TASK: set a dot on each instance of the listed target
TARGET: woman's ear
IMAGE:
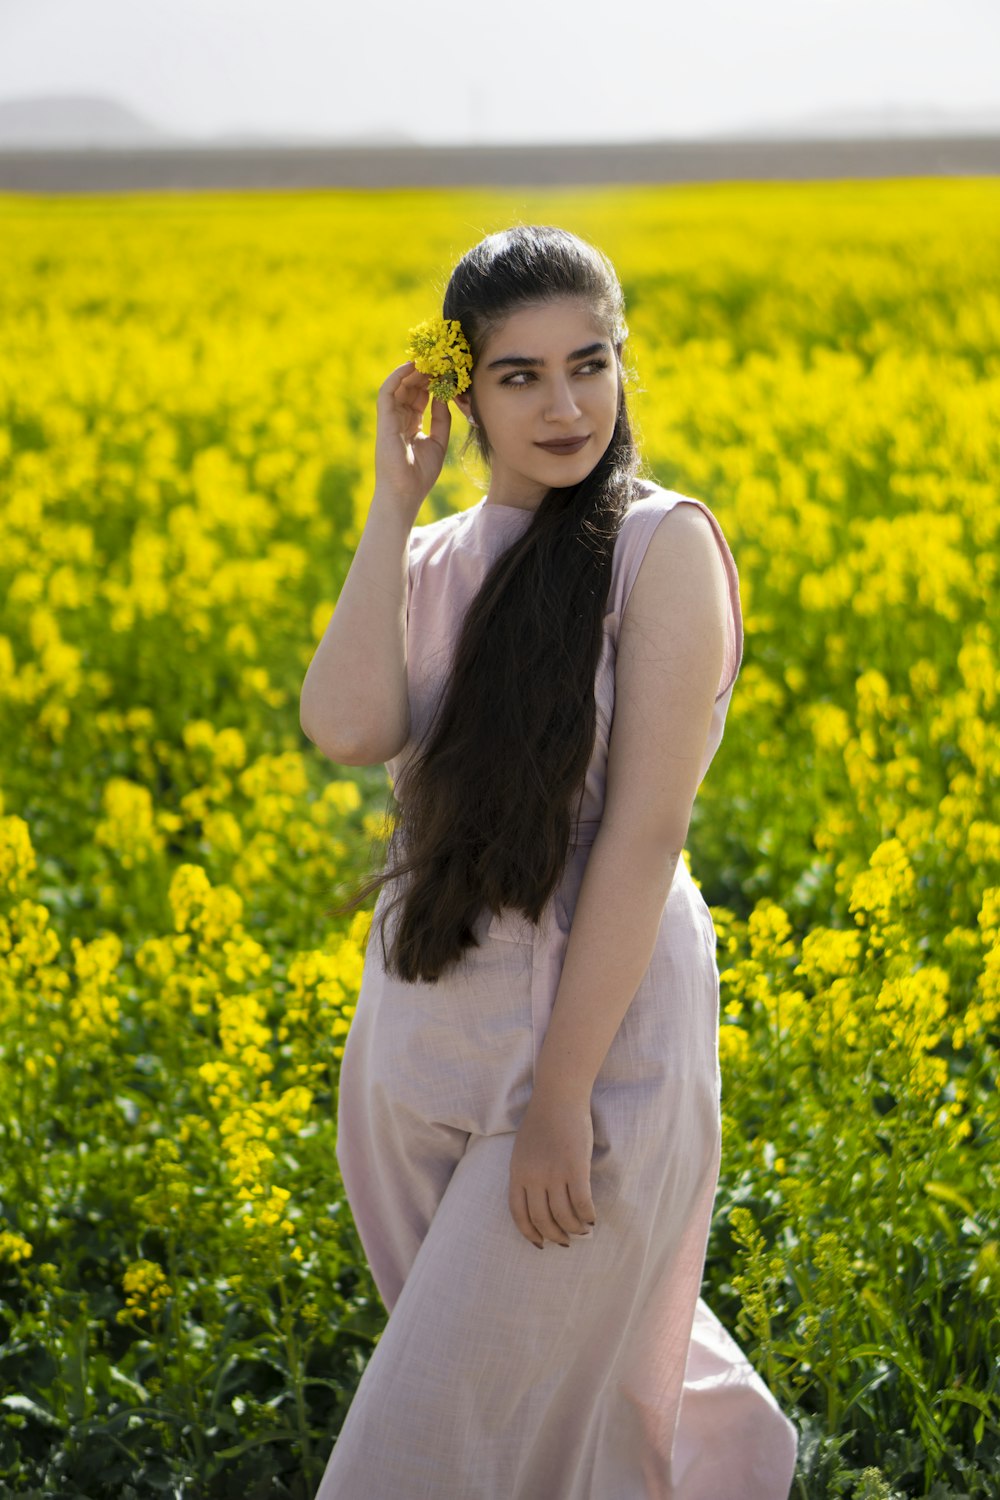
(464, 404)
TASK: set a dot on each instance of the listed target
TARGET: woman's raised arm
(354, 704)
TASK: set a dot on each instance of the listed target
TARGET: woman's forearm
(611, 942)
(354, 704)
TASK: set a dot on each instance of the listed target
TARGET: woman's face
(548, 374)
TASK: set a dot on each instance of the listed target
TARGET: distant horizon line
(124, 168)
(252, 142)
(82, 121)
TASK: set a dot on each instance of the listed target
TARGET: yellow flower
(146, 1290)
(17, 857)
(343, 796)
(886, 886)
(438, 348)
(13, 1247)
(734, 1045)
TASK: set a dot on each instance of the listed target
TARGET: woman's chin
(563, 473)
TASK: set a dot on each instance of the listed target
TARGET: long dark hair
(488, 808)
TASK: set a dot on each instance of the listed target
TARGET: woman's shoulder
(434, 534)
(466, 527)
(431, 531)
(651, 502)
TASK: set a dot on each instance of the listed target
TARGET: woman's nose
(562, 405)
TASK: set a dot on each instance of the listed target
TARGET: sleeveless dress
(505, 1373)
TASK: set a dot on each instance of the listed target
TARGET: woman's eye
(522, 377)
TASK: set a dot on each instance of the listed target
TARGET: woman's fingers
(540, 1214)
(543, 1215)
(519, 1212)
(409, 391)
(408, 460)
(395, 378)
(412, 397)
(413, 394)
(582, 1203)
(405, 392)
(440, 423)
(412, 390)
(561, 1206)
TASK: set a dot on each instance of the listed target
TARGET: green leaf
(971, 1398)
(32, 1408)
(944, 1193)
(284, 1436)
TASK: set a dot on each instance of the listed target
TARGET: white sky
(503, 70)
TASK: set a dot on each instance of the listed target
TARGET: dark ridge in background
(208, 168)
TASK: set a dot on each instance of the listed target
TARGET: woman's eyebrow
(522, 359)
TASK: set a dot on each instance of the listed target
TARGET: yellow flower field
(187, 419)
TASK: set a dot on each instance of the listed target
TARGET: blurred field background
(187, 417)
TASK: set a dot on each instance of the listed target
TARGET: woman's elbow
(360, 749)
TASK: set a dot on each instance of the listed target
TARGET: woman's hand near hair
(354, 703)
(407, 459)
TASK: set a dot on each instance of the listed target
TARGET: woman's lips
(569, 445)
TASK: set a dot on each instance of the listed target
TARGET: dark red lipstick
(564, 445)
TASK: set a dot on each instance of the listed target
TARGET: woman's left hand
(550, 1196)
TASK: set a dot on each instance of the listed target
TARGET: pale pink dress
(506, 1372)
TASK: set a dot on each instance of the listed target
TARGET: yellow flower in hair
(438, 348)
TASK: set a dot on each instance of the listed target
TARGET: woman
(533, 1059)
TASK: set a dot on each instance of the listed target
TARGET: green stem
(188, 1403)
(777, 1110)
(832, 1388)
(295, 1367)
